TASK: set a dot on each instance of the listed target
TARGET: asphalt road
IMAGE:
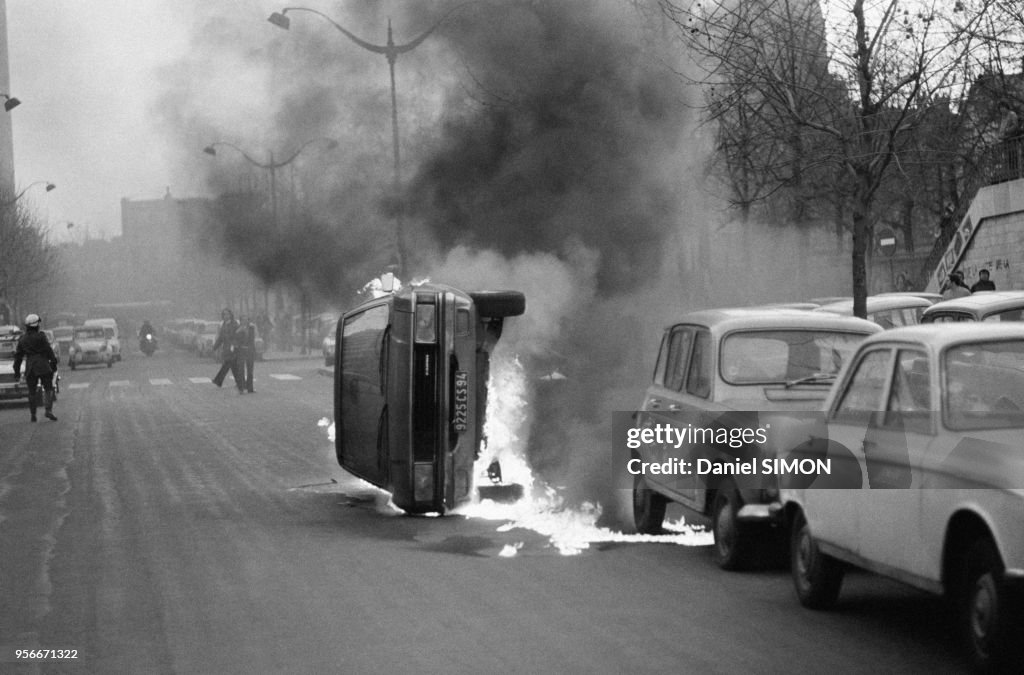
(163, 525)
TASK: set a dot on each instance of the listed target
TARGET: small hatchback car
(410, 390)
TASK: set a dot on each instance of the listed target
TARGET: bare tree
(27, 259)
(853, 83)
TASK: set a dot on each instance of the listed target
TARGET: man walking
(40, 365)
(245, 340)
(228, 354)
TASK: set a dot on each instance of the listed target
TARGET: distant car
(718, 361)
(929, 419)
(206, 336)
(10, 386)
(91, 346)
(888, 311)
(983, 306)
(329, 343)
(410, 390)
(62, 337)
(111, 332)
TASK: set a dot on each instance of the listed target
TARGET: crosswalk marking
(78, 385)
(160, 380)
(284, 376)
(200, 380)
(120, 383)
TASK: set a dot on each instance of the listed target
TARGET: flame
(542, 509)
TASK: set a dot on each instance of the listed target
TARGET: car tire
(817, 577)
(733, 545)
(648, 507)
(499, 304)
(989, 615)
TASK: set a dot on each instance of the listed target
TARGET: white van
(110, 331)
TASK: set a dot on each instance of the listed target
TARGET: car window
(698, 378)
(362, 342)
(952, 317)
(679, 343)
(89, 333)
(1005, 315)
(756, 357)
(984, 385)
(910, 405)
(863, 394)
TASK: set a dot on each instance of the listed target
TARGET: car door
(361, 411)
(835, 514)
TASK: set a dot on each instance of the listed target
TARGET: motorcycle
(147, 344)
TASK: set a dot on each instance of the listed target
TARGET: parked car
(713, 363)
(888, 311)
(983, 306)
(206, 336)
(936, 411)
(930, 297)
(10, 386)
(91, 346)
(111, 332)
(410, 390)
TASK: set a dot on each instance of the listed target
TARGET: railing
(1000, 163)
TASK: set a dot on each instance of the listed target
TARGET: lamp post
(10, 103)
(11, 202)
(272, 166)
(390, 52)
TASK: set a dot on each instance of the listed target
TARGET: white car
(90, 346)
(10, 386)
(111, 332)
(924, 428)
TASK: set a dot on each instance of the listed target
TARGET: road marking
(160, 380)
(120, 383)
(200, 380)
(284, 376)
(78, 385)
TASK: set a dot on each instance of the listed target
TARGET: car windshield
(89, 334)
(63, 332)
(777, 356)
(984, 387)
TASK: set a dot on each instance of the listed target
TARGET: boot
(33, 403)
(48, 403)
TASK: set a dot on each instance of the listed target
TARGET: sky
(87, 74)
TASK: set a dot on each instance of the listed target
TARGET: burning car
(410, 390)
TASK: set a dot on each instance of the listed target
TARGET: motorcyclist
(40, 365)
(146, 333)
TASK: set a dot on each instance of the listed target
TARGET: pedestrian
(228, 356)
(245, 340)
(40, 365)
(983, 283)
(955, 287)
(1010, 139)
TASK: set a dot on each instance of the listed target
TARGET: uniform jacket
(245, 337)
(226, 339)
(35, 350)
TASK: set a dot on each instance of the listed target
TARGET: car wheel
(499, 304)
(648, 507)
(733, 545)
(987, 613)
(817, 577)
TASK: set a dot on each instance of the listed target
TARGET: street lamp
(49, 186)
(390, 52)
(10, 103)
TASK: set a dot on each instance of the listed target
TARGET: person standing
(245, 340)
(40, 365)
(228, 354)
(1009, 138)
(955, 287)
(983, 283)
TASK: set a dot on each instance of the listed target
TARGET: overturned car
(410, 390)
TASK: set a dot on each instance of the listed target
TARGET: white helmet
(32, 320)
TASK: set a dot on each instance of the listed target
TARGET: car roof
(877, 303)
(941, 335)
(732, 318)
(933, 297)
(982, 301)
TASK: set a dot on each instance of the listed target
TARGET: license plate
(460, 406)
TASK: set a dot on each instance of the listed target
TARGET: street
(163, 525)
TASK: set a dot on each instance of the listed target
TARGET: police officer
(40, 365)
(245, 339)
